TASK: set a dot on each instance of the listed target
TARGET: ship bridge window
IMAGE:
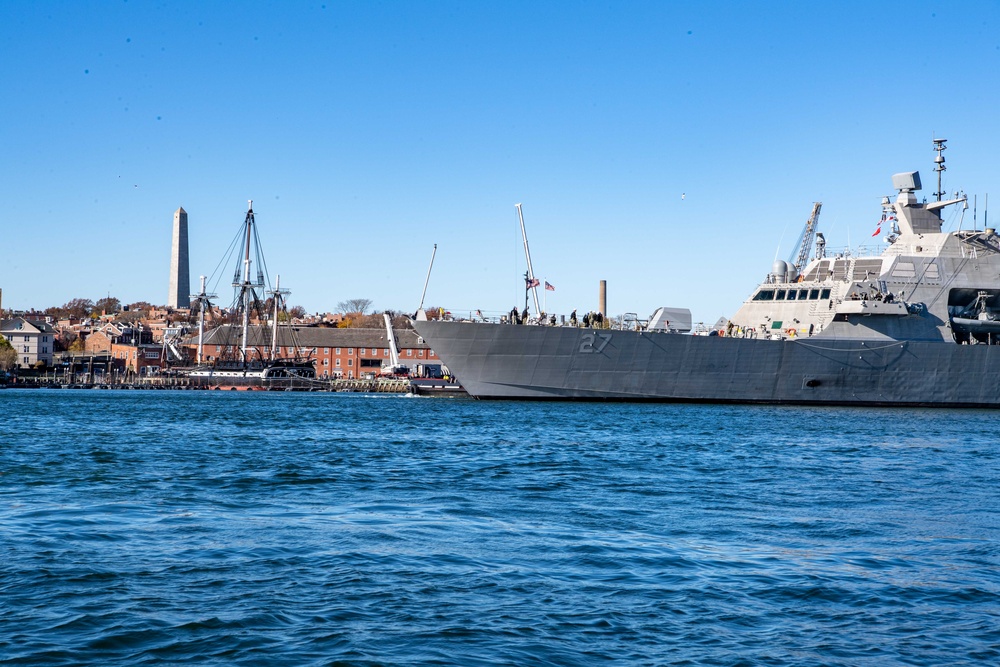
(813, 294)
(904, 270)
(791, 295)
(824, 294)
(803, 294)
(780, 296)
(764, 295)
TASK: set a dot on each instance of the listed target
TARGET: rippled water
(325, 529)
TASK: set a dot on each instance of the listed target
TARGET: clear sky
(670, 148)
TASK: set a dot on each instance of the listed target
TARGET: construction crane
(801, 252)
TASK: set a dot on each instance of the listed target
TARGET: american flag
(531, 282)
(549, 286)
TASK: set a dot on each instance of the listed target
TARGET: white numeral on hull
(592, 343)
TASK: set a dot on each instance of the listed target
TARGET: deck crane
(394, 367)
(801, 252)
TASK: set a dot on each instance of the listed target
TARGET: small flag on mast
(549, 286)
(879, 229)
(531, 282)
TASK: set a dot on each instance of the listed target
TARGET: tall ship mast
(252, 339)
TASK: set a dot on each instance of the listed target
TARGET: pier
(86, 381)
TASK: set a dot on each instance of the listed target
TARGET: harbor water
(346, 529)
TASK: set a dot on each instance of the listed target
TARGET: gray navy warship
(917, 325)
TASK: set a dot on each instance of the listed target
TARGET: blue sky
(380, 128)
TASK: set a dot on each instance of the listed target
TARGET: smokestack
(602, 298)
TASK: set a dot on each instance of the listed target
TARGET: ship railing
(624, 322)
(848, 252)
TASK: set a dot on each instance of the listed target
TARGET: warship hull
(504, 361)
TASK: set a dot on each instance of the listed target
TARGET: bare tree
(8, 355)
(78, 308)
(108, 304)
(354, 306)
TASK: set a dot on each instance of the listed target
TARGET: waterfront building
(33, 340)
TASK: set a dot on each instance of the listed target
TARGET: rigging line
(225, 260)
(261, 263)
(860, 349)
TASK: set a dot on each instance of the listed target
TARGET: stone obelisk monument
(180, 274)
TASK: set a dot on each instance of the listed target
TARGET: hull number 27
(591, 343)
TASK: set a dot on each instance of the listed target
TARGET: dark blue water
(333, 529)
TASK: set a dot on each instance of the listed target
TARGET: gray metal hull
(498, 361)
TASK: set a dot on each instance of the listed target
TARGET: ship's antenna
(529, 277)
(427, 279)
(939, 146)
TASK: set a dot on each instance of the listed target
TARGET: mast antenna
(529, 278)
(427, 279)
(939, 146)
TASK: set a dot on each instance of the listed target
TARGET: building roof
(19, 324)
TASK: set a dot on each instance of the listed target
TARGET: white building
(31, 339)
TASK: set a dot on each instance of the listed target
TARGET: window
(25, 349)
(420, 353)
(27, 338)
(780, 295)
(337, 364)
(326, 362)
(791, 295)
(813, 294)
(825, 294)
(338, 352)
(350, 362)
(326, 350)
(385, 353)
(363, 351)
(45, 349)
(764, 295)
(409, 353)
(374, 352)
(45, 339)
(350, 350)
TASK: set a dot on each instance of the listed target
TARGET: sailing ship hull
(277, 375)
(503, 361)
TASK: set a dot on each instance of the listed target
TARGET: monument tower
(180, 274)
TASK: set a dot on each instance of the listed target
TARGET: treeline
(109, 305)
